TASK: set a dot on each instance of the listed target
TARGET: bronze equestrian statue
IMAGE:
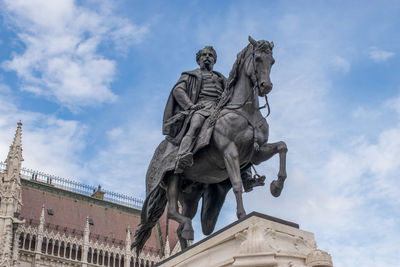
(215, 132)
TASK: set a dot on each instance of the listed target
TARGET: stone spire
(128, 239)
(128, 245)
(10, 184)
(86, 232)
(41, 220)
(40, 230)
(14, 158)
(11, 202)
(86, 237)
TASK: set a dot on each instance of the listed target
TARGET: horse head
(259, 66)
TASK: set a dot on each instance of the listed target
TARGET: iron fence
(77, 187)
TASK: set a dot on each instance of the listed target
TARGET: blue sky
(89, 80)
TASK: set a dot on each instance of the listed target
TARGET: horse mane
(234, 75)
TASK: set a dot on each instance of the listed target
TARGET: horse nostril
(265, 85)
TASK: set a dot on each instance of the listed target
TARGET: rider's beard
(208, 66)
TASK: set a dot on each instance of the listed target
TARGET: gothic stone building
(50, 221)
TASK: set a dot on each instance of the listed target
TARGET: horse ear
(252, 41)
(271, 44)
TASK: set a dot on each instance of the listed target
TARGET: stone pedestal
(256, 240)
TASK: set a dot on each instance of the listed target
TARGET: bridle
(257, 85)
(232, 106)
(254, 90)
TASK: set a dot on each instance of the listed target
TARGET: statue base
(255, 240)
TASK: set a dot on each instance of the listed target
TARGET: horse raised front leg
(173, 212)
(231, 159)
(266, 152)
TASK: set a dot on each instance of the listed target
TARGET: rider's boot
(249, 182)
(185, 157)
(247, 178)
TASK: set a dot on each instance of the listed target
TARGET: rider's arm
(180, 95)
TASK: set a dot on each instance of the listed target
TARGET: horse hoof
(275, 188)
(187, 234)
(240, 215)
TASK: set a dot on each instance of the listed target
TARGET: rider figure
(212, 84)
(193, 99)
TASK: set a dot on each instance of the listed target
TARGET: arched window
(136, 262)
(95, 256)
(56, 247)
(68, 250)
(141, 263)
(89, 255)
(106, 259)
(62, 249)
(33, 243)
(27, 240)
(44, 245)
(79, 257)
(147, 264)
(122, 261)
(101, 257)
(73, 252)
(50, 247)
(131, 262)
(117, 260)
(21, 240)
(112, 260)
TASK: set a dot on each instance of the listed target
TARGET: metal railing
(76, 187)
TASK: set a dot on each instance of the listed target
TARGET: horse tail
(152, 210)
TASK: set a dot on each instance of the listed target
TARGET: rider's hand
(197, 106)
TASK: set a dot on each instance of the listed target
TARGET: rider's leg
(247, 178)
(185, 157)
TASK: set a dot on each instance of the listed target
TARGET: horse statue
(239, 137)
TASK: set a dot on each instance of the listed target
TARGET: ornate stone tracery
(65, 250)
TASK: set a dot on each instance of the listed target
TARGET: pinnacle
(18, 135)
(16, 146)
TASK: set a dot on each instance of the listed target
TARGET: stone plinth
(256, 240)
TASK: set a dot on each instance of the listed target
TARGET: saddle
(257, 122)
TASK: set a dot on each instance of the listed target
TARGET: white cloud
(394, 104)
(4, 88)
(379, 55)
(126, 157)
(363, 113)
(341, 64)
(49, 144)
(61, 59)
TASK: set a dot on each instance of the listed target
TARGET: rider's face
(206, 60)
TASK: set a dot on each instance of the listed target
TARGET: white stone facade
(255, 241)
(39, 247)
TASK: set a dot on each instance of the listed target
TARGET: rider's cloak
(177, 113)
